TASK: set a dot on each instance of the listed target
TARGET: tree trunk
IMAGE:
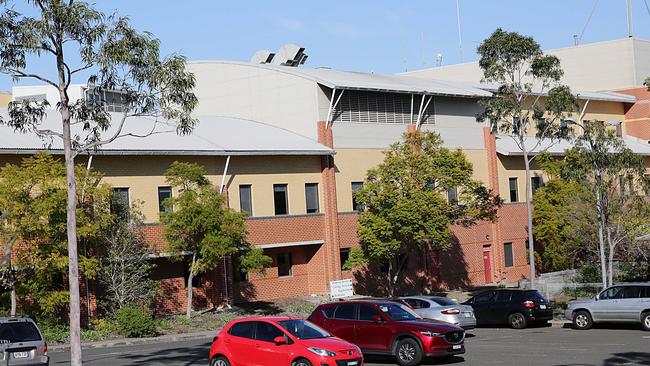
(13, 301)
(610, 259)
(391, 287)
(529, 212)
(601, 235)
(190, 278)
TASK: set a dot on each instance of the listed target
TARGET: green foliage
(135, 321)
(54, 332)
(33, 202)
(406, 205)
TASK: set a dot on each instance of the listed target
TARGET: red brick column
(332, 235)
(490, 142)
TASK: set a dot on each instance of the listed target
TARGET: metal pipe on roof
(333, 107)
(225, 171)
(425, 108)
(329, 111)
(420, 112)
(412, 108)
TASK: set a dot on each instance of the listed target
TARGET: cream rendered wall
(250, 92)
(143, 176)
(513, 167)
(75, 92)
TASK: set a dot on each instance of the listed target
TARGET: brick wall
(637, 116)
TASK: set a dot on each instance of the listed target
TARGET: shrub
(54, 332)
(135, 322)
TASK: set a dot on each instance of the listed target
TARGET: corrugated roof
(368, 81)
(216, 136)
(580, 94)
(507, 146)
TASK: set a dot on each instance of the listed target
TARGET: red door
(487, 265)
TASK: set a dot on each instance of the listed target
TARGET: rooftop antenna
(578, 39)
(439, 59)
(630, 30)
(460, 38)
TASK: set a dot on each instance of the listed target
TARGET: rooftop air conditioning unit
(290, 55)
(262, 57)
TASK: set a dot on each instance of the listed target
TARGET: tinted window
(513, 189)
(645, 291)
(245, 199)
(280, 199)
(484, 297)
(303, 329)
(267, 332)
(507, 255)
(422, 304)
(503, 295)
(311, 197)
(329, 312)
(398, 312)
(19, 332)
(355, 204)
(284, 264)
(612, 293)
(345, 255)
(366, 312)
(631, 292)
(535, 295)
(243, 329)
(119, 205)
(345, 311)
(444, 301)
(163, 194)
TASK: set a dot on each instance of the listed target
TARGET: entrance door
(487, 264)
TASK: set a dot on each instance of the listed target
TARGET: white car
(443, 309)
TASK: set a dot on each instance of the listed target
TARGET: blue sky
(366, 35)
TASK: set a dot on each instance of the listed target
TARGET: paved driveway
(487, 346)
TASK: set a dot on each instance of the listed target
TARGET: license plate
(21, 354)
(542, 306)
(457, 346)
(467, 315)
(353, 363)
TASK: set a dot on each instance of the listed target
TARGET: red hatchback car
(280, 341)
(390, 328)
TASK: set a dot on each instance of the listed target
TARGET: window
(619, 130)
(513, 190)
(527, 252)
(19, 332)
(356, 206)
(245, 199)
(507, 254)
(452, 196)
(417, 304)
(329, 311)
(120, 203)
(243, 329)
(359, 106)
(111, 100)
(311, 197)
(284, 264)
(645, 291)
(484, 297)
(631, 292)
(163, 194)
(535, 183)
(612, 293)
(344, 254)
(503, 296)
(367, 312)
(280, 199)
(345, 311)
(443, 301)
(267, 332)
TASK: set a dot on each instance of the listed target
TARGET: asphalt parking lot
(554, 346)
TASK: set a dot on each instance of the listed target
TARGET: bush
(54, 332)
(135, 321)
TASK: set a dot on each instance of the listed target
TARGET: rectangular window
(344, 254)
(507, 254)
(311, 197)
(163, 194)
(356, 206)
(120, 203)
(513, 190)
(280, 199)
(535, 183)
(527, 252)
(245, 199)
(284, 265)
(452, 196)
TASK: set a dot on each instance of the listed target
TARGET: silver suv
(22, 343)
(621, 303)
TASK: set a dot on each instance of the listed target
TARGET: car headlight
(429, 333)
(322, 352)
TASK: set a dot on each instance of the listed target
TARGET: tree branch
(21, 74)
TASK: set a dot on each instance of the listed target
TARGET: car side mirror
(279, 340)
(377, 319)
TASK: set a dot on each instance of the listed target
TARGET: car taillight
(529, 304)
(45, 349)
(451, 311)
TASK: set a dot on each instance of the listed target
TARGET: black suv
(514, 307)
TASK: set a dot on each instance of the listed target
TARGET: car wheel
(582, 320)
(408, 352)
(301, 362)
(645, 321)
(517, 321)
(219, 361)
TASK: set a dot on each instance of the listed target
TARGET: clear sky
(367, 35)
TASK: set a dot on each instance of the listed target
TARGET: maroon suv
(389, 328)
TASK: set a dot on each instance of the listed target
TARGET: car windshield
(303, 329)
(399, 312)
(443, 301)
(18, 332)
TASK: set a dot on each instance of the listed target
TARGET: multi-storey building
(289, 145)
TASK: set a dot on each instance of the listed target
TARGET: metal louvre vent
(376, 107)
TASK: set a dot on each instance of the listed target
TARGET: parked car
(443, 309)
(629, 303)
(514, 307)
(280, 341)
(387, 327)
(22, 342)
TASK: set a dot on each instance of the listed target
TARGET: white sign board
(342, 288)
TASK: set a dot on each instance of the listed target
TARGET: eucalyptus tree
(74, 42)
(528, 100)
